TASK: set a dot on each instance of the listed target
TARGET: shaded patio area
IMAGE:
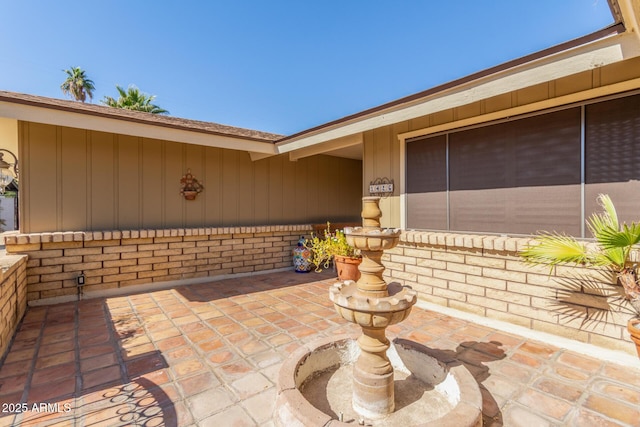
(209, 355)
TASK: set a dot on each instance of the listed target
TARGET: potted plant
(334, 247)
(613, 250)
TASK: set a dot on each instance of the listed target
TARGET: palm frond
(133, 99)
(554, 249)
(600, 223)
(610, 210)
(627, 236)
(614, 258)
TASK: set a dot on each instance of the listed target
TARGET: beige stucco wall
(74, 179)
(9, 136)
(382, 149)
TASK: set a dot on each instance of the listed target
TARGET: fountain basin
(314, 387)
(372, 240)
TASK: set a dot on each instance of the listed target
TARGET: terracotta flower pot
(633, 326)
(347, 267)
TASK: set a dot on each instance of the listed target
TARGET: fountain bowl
(378, 312)
(372, 240)
(314, 387)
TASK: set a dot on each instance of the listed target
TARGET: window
(613, 155)
(427, 183)
(523, 176)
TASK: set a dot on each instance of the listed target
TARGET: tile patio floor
(209, 354)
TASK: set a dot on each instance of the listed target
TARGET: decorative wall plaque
(381, 187)
(189, 186)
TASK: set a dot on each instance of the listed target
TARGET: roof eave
(600, 48)
(43, 112)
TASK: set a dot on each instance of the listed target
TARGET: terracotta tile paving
(209, 355)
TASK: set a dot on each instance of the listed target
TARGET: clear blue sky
(275, 65)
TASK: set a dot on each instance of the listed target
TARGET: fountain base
(315, 388)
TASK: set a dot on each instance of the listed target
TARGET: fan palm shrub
(133, 99)
(613, 249)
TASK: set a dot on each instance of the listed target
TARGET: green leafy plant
(612, 249)
(133, 99)
(77, 84)
(324, 248)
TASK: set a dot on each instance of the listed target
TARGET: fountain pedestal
(369, 303)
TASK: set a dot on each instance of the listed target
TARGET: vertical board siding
(213, 186)
(325, 188)
(261, 199)
(276, 196)
(301, 188)
(41, 177)
(129, 203)
(230, 187)
(73, 145)
(173, 172)
(312, 184)
(151, 177)
(382, 154)
(245, 189)
(289, 187)
(193, 210)
(86, 180)
(101, 197)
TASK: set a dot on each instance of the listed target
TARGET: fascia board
(105, 124)
(603, 52)
(630, 16)
(547, 104)
(335, 144)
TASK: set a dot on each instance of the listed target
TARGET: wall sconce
(189, 186)
(8, 171)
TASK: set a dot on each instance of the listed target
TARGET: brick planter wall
(13, 296)
(484, 275)
(119, 259)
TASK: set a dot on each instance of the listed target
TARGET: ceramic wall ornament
(189, 186)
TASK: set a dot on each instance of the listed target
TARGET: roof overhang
(613, 44)
(10, 108)
(336, 146)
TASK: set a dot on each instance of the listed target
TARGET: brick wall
(473, 273)
(484, 275)
(13, 296)
(119, 259)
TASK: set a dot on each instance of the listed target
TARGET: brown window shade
(612, 152)
(524, 176)
(517, 177)
(427, 183)
(426, 165)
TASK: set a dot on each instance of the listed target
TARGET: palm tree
(615, 243)
(133, 99)
(77, 84)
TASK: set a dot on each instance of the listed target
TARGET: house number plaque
(381, 187)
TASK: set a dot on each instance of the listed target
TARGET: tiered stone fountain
(313, 388)
(369, 304)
